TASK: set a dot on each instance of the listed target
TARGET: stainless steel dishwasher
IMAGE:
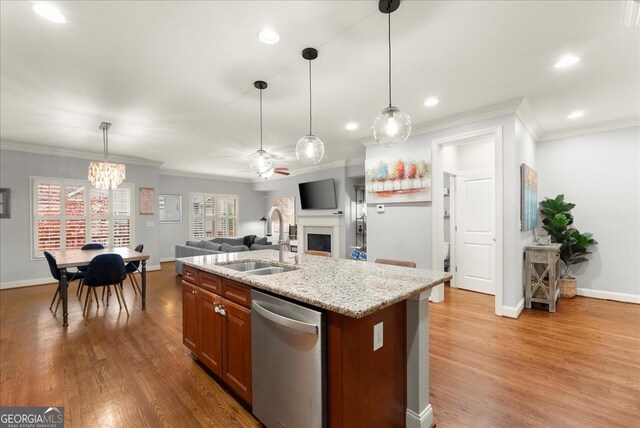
(288, 363)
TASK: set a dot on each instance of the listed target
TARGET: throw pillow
(260, 241)
(193, 244)
(211, 245)
(234, 248)
(255, 247)
(248, 240)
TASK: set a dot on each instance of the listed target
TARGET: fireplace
(328, 226)
(319, 242)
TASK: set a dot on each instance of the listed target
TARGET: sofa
(220, 246)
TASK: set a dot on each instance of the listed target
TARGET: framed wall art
(170, 208)
(147, 201)
(5, 203)
(528, 198)
(403, 178)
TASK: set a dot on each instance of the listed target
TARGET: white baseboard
(47, 280)
(167, 259)
(422, 420)
(609, 295)
(513, 311)
(26, 283)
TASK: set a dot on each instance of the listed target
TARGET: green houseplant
(557, 221)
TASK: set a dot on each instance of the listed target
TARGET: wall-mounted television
(318, 195)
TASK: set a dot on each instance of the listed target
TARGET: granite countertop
(348, 287)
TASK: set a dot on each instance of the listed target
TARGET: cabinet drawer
(190, 274)
(210, 282)
(236, 292)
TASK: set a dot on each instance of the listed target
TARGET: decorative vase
(568, 287)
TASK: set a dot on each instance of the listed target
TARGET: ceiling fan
(281, 171)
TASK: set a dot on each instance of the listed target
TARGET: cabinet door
(210, 332)
(237, 349)
(190, 322)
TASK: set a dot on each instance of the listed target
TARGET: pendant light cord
(105, 139)
(389, 14)
(310, 117)
(261, 119)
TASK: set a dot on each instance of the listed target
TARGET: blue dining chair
(133, 267)
(105, 270)
(71, 276)
(89, 246)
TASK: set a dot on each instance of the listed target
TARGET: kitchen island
(385, 383)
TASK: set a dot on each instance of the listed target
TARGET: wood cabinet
(541, 270)
(216, 327)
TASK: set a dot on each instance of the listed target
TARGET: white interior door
(475, 234)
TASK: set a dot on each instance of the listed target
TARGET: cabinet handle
(216, 309)
(189, 274)
(194, 291)
(222, 312)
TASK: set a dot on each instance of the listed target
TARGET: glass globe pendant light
(310, 149)
(260, 162)
(392, 126)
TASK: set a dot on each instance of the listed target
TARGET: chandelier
(106, 175)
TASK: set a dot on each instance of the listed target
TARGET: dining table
(77, 258)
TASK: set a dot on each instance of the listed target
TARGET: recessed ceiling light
(431, 101)
(566, 61)
(49, 12)
(269, 36)
(352, 126)
(575, 114)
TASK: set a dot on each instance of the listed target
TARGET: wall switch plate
(377, 336)
(380, 208)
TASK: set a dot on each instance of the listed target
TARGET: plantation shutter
(70, 213)
(213, 215)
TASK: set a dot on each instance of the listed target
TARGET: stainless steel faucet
(282, 241)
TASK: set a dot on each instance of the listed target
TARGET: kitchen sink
(258, 268)
(269, 270)
(245, 266)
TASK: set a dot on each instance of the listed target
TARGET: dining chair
(89, 246)
(318, 253)
(105, 270)
(53, 266)
(133, 267)
(396, 262)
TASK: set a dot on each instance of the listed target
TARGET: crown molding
(69, 153)
(470, 116)
(186, 174)
(527, 116)
(590, 129)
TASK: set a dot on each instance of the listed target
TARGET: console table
(541, 269)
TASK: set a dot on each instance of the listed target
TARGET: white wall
(600, 174)
(464, 157)
(16, 265)
(250, 207)
(411, 223)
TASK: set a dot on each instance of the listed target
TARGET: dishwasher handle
(300, 326)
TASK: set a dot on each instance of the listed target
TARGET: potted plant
(557, 221)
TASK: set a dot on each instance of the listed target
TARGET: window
(212, 215)
(70, 213)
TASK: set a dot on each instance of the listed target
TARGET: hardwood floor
(579, 367)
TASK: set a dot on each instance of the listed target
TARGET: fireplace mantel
(332, 225)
